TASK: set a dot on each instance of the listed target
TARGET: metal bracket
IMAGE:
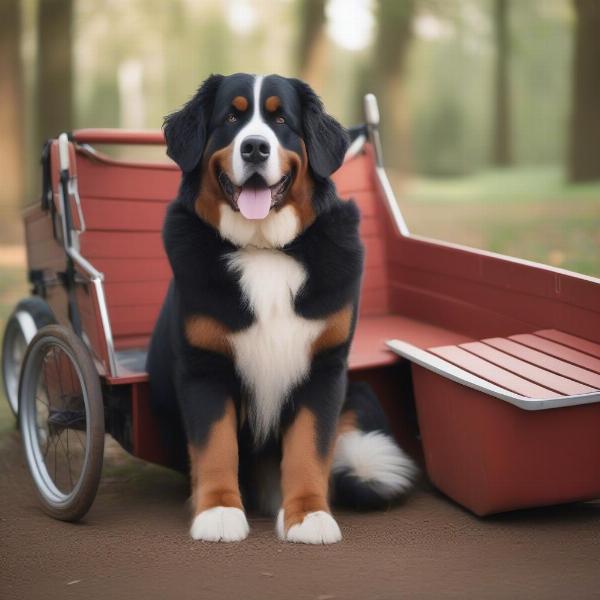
(371, 109)
(71, 245)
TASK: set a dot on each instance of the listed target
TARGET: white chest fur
(274, 353)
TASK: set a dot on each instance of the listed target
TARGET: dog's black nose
(255, 149)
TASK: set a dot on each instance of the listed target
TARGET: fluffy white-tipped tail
(370, 470)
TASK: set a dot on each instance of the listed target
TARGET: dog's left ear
(186, 129)
(326, 140)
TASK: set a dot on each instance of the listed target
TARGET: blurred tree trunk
(502, 140)
(11, 104)
(394, 34)
(54, 104)
(312, 44)
(584, 161)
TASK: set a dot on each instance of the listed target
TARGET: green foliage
(451, 79)
(527, 212)
(447, 81)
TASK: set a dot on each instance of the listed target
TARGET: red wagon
(500, 356)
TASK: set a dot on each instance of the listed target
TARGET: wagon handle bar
(147, 137)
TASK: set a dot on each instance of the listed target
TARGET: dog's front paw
(220, 524)
(316, 528)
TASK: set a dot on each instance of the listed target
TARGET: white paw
(220, 524)
(316, 528)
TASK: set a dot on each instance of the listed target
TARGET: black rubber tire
(42, 315)
(39, 309)
(75, 507)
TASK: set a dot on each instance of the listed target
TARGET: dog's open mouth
(254, 199)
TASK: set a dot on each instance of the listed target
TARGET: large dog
(250, 349)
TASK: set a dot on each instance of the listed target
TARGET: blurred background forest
(490, 108)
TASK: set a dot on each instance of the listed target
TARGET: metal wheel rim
(20, 330)
(29, 426)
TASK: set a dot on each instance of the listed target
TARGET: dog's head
(258, 147)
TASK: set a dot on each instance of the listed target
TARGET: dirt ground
(134, 544)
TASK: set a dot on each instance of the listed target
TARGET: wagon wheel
(29, 316)
(61, 416)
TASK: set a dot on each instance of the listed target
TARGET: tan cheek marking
(214, 466)
(240, 103)
(272, 103)
(299, 196)
(207, 333)
(336, 331)
(304, 472)
(210, 197)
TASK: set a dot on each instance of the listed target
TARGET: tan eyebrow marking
(240, 103)
(272, 103)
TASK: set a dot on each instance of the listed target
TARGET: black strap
(47, 198)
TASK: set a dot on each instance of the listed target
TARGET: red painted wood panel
(504, 300)
(558, 351)
(527, 370)
(123, 214)
(134, 270)
(570, 340)
(374, 301)
(500, 272)
(150, 183)
(374, 253)
(122, 244)
(135, 294)
(475, 321)
(127, 322)
(126, 342)
(375, 278)
(367, 201)
(527, 311)
(125, 205)
(486, 370)
(371, 226)
(355, 174)
(546, 362)
(368, 348)
(110, 214)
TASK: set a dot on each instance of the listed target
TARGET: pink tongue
(254, 203)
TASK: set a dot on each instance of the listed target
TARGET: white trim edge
(438, 365)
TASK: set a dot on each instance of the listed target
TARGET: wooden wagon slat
(148, 182)
(521, 279)
(528, 308)
(486, 370)
(123, 214)
(134, 269)
(527, 370)
(115, 244)
(572, 341)
(127, 214)
(558, 351)
(356, 174)
(136, 294)
(545, 361)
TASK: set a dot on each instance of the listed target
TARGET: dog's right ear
(186, 129)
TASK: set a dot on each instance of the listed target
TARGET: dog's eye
(231, 118)
(279, 120)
